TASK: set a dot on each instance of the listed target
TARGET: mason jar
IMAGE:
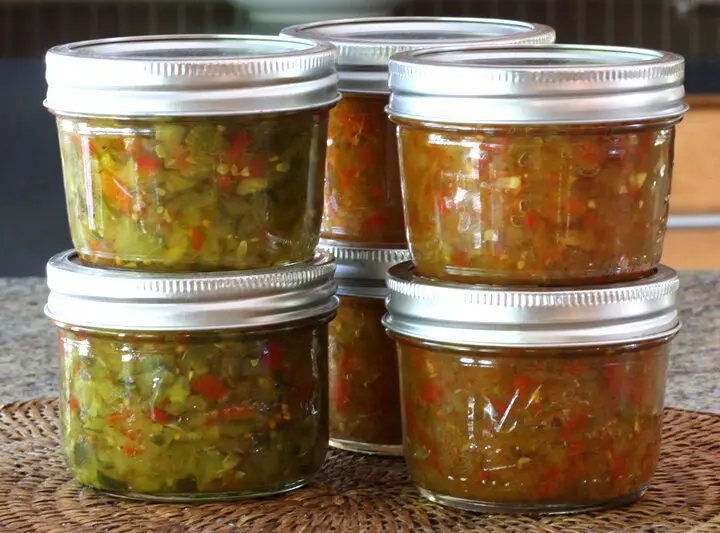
(532, 400)
(363, 370)
(363, 202)
(186, 387)
(193, 152)
(547, 165)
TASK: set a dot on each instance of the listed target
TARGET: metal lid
(365, 45)
(554, 84)
(139, 301)
(484, 315)
(361, 271)
(190, 75)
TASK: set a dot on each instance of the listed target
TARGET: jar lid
(553, 84)
(115, 299)
(486, 315)
(361, 271)
(190, 75)
(365, 45)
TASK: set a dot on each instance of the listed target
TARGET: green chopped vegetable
(194, 416)
(195, 194)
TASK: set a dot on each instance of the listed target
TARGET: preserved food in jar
(196, 386)
(364, 383)
(532, 399)
(195, 194)
(194, 416)
(533, 428)
(191, 153)
(536, 165)
(363, 203)
(543, 205)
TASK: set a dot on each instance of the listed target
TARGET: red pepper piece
(116, 193)
(460, 258)
(549, 487)
(273, 355)
(616, 378)
(131, 451)
(209, 386)
(239, 144)
(576, 367)
(158, 415)
(339, 395)
(73, 403)
(576, 421)
(618, 467)
(522, 384)
(236, 412)
(147, 165)
(430, 393)
(224, 182)
(531, 220)
(433, 461)
(576, 448)
(197, 238)
(117, 418)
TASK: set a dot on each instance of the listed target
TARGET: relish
(195, 194)
(364, 383)
(363, 202)
(204, 415)
(548, 205)
(551, 429)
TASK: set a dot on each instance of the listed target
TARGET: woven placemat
(353, 493)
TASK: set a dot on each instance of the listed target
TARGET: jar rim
(549, 84)
(365, 45)
(115, 299)
(190, 75)
(361, 269)
(490, 315)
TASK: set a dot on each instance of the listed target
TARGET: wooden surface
(696, 186)
(692, 249)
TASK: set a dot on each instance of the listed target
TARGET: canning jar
(193, 153)
(532, 400)
(547, 165)
(363, 202)
(363, 370)
(192, 387)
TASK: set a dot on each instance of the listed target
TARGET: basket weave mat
(353, 493)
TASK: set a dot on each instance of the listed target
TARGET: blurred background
(33, 223)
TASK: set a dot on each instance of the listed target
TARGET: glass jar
(363, 202)
(547, 165)
(547, 401)
(222, 169)
(192, 387)
(364, 382)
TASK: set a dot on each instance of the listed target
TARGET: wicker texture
(353, 493)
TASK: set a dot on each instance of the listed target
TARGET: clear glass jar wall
(193, 416)
(364, 383)
(547, 430)
(195, 194)
(547, 205)
(363, 202)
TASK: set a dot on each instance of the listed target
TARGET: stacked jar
(363, 217)
(193, 316)
(533, 325)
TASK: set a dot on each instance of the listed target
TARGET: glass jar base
(530, 508)
(207, 496)
(364, 447)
